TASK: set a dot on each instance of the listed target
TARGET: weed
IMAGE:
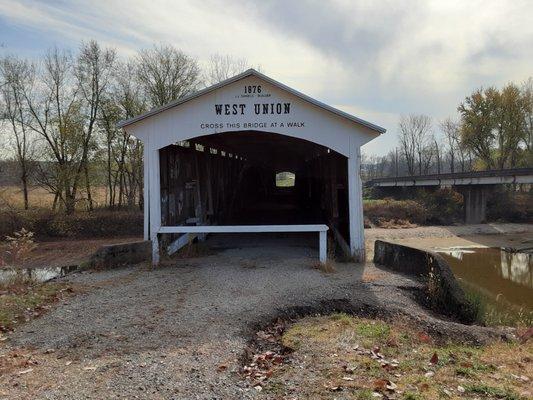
(365, 394)
(486, 390)
(328, 267)
(412, 396)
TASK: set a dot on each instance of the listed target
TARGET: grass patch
(491, 391)
(359, 357)
(20, 302)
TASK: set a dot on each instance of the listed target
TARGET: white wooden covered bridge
(211, 161)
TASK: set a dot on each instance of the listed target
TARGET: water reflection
(496, 272)
(34, 274)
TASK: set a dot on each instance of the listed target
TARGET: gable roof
(245, 74)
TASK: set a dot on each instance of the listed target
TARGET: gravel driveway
(164, 333)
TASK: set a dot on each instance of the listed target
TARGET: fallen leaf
(380, 384)
(277, 359)
(423, 337)
(434, 359)
(222, 367)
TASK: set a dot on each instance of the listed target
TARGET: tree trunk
(24, 180)
(88, 187)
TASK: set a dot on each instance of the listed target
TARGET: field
(11, 198)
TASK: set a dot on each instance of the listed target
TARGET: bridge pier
(475, 202)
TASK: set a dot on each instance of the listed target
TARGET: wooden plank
(180, 242)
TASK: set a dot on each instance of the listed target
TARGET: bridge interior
(230, 178)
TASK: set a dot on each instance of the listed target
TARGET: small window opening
(285, 179)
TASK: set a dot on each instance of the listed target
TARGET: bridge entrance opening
(254, 178)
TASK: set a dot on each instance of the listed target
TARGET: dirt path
(179, 332)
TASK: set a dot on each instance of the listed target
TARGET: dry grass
(11, 197)
(340, 356)
(328, 267)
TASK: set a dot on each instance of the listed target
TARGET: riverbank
(431, 237)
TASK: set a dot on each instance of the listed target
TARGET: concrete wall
(117, 255)
(443, 292)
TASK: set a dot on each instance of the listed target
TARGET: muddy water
(500, 274)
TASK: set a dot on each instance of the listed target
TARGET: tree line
(59, 115)
(493, 130)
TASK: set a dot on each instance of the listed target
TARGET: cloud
(380, 59)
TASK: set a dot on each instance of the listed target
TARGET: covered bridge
(252, 155)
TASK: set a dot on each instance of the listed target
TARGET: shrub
(507, 205)
(444, 205)
(82, 224)
(380, 212)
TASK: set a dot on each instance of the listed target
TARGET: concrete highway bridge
(474, 186)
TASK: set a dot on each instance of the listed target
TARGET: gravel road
(179, 331)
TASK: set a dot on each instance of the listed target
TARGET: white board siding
(184, 122)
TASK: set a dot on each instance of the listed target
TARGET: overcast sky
(374, 59)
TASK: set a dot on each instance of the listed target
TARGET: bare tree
(438, 154)
(52, 105)
(63, 108)
(451, 131)
(123, 153)
(222, 67)
(416, 142)
(165, 74)
(94, 67)
(16, 75)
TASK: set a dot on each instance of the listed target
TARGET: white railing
(321, 229)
